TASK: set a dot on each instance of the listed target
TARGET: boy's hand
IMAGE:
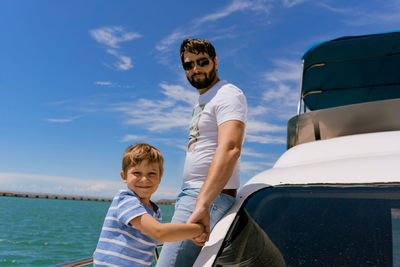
(202, 228)
(199, 240)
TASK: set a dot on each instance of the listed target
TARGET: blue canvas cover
(352, 70)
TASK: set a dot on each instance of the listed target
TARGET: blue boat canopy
(352, 70)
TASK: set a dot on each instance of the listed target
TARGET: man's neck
(203, 90)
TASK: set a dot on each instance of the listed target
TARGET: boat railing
(376, 116)
(76, 263)
(89, 260)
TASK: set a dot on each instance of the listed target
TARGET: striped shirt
(120, 244)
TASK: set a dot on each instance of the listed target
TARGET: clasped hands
(201, 216)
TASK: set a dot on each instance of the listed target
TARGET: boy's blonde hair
(135, 154)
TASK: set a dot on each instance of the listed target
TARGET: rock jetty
(70, 197)
(52, 196)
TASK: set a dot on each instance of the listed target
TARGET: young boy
(132, 226)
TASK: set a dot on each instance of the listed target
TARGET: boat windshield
(316, 226)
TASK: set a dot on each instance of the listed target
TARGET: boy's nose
(144, 177)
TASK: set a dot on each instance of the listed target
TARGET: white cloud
(37, 183)
(265, 139)
(257, 110)
(61, 185)
(250, 153)
(111, 84)
(359, 14)
(282, 94)
(196, 25)
(166, 43)
(124, 62)
(260, 126)
(169, 193)
(157, 115)
(59, 120)
(60, 103)
(159, 119)
(175, 112)
(104, 83)
(65, 120)
(178, 93)
(236, 6)
(233, 7)
(132, 137)
(247, 167)
(284, 71)
(113, 36)
(283, 84)
(292, 3)
(342, 10)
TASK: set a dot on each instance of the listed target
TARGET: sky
(81, 80)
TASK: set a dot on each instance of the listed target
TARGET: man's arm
(230, 139)
(166, 232)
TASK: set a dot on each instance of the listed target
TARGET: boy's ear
(123, 176)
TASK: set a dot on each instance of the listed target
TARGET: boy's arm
(166, 232)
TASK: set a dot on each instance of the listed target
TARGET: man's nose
(194, 70)
(196, 67)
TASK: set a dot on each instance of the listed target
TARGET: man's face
(201, 75)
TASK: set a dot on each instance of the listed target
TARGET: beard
(207, 81)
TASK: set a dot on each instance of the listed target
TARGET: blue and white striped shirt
(120, 244)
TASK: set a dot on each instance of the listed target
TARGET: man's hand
(201, 215)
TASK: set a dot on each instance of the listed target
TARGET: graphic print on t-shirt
(194, 131)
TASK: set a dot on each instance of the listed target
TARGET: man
(211, 172)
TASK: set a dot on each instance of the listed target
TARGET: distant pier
(52, 196)
(70, 197)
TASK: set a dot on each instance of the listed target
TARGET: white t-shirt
(223, 102)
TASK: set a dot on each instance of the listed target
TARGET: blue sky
(81, 80)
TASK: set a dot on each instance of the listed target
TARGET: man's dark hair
(197, 46)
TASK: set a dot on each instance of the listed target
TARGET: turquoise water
(45, 232)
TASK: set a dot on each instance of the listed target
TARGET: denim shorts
(184, 253)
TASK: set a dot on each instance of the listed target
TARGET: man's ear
(216, 62)
(123, 176)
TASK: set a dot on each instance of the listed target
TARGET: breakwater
(70, 197)
(52, 196)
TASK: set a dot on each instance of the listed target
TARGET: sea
(46, 232)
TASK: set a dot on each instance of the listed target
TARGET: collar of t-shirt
(207, 96)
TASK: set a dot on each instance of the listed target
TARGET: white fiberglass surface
(347, 147)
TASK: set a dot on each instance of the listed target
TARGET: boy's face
(143, 179)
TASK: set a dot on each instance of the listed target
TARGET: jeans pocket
(220, 207)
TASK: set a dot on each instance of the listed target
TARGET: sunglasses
(201, 62)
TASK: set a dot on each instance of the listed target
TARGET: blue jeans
(184, 253)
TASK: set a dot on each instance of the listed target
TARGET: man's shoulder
(229, 92)
(227, 87)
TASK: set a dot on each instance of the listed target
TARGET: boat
(333, 198)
